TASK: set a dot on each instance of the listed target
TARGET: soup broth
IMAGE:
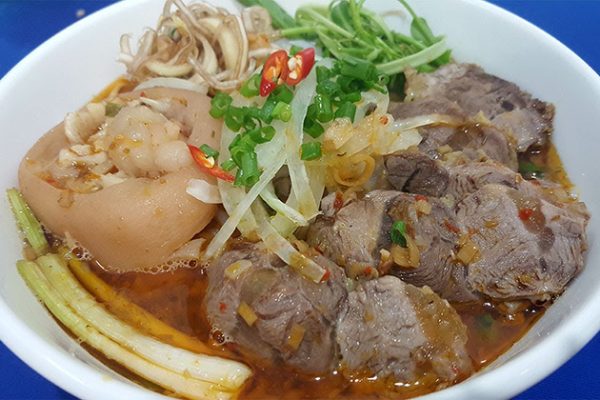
(176, 298)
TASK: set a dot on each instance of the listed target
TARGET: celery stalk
(27, 222)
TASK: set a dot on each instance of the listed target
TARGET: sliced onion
(284, 249)
(203, 191)
(305, 91)
(424, 120)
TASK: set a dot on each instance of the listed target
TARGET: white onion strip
(243, 207)
(305, 91)
(284, 250)
(204, 191)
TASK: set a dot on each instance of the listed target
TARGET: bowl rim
(516, 375)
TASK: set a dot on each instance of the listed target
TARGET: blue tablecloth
(26, 24)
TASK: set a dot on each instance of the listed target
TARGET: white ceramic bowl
(63, 73)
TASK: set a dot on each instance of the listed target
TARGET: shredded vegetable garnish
(200, 43)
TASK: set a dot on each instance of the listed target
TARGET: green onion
(351, 97)
(282, 112)
(248, 172)
(228, 165)
(295, 50)
(251, 87)
(350, 85)
(27, 222)
(324, 108)
(358, 69)
(328, 88)
(346, 110)
(398, 232)
(234, 119)
(323, 73)
(220, 104)
(209, 151)
(530, 169)
(112, 109)
(282, 93)
(310, 151)
(313, 128)
(262, 135)
(266, 112)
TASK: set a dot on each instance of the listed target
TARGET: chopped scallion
(282, 112)
(398, 232)
(313, 128)
(209, 151)
(346, 110)
(250, 88)
(311, 151)
(220, 104)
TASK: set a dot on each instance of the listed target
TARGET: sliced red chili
(420, 197)
(300, 66)
(338, 203)
(525, 213)
(209, 165)
(451, 227)
(326, 276)
(222, 307)
(274, 72)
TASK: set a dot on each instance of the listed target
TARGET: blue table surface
(26, 24)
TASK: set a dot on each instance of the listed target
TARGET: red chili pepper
(300, 66)
(338, 203)
(525, 214)
(274, 72)
(451, 227)
(222, 307)
(209, 165)
(420, 197)
(326, 276)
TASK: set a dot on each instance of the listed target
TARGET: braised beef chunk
(525, 246)
(295, 318)
(426, 106)
(465, 179)
(414, 172)
(434, 229)
(358, 233)
(392, 329)
(477, 141)
(528, 119)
